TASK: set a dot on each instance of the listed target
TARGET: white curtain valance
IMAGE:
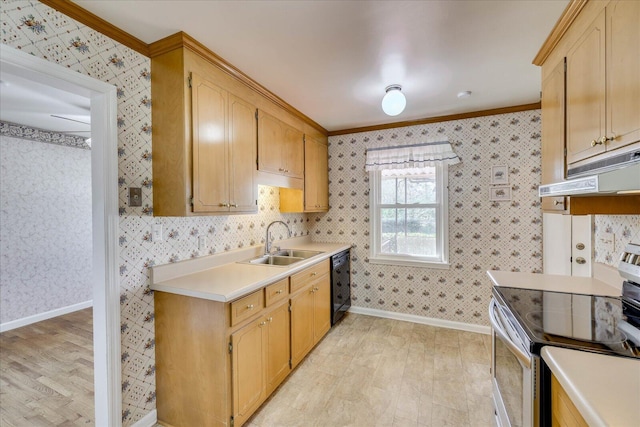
(412, 156)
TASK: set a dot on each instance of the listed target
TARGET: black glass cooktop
(587, 322)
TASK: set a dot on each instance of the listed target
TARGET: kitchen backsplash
(624, 228)
(483, 235)
(45, 212)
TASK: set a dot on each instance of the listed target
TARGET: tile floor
(370, 371)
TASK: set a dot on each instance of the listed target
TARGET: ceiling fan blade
(72, 120)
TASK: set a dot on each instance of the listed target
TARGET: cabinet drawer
(304, 277)
(276, 292)
(246, 307)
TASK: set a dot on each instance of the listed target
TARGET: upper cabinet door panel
(243, 147)
(293, 152)
(623, 73)
(270, 137)
(586, 93)
(209, 111)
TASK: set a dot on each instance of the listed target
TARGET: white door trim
(104, 187)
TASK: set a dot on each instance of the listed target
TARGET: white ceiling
(27, 102)
(333, 59)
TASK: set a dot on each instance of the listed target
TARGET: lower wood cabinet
(216, 362)
(260, 360)
(563, 412)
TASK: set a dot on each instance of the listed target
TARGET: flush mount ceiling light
(394, 101)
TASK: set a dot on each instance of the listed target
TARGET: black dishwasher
(340, 285)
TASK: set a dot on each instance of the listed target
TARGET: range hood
(617, 175)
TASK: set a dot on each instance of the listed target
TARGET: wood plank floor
(370, 371)
(46, 373)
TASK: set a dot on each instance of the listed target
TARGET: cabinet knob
(558, 202)
(581, 260)
(250, 306)
(281, 170)
(279, 291)
(314, 274)
(595, 142)
(263, 323)
(270, 319)
(580, 246)
(234, 205)
(224, 205)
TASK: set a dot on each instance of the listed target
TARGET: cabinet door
(270, 141)
(243, 140)
(316, 175)
(322, 179)
(293, 152)
(248, 369)
(278, 346)
(553, 137)
(623, 73)
(302, 337)
(321, 308)
(586, 92)
(210, 173)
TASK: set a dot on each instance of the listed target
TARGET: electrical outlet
(202, 242)
(156, 232)
(608, 242)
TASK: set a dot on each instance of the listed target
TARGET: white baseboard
(148, 420)
(469, 327)
(7, 326)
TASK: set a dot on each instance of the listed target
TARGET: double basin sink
(282, 257)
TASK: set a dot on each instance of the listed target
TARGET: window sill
(411, 263)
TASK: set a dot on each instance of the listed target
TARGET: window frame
(441, 261)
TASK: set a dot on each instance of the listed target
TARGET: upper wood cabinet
(603, 83)
(553, 134)
(206, 135)
(204, 141)
(224, 149)
(315, 196)
(280, 147)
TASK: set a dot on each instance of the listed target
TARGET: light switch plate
(156, 232)
(135, 196)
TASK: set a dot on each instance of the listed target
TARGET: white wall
(45, 227)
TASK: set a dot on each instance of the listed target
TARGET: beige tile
(443, 416)
(447, 337)
(450, 393)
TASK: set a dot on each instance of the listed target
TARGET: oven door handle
(522, 357)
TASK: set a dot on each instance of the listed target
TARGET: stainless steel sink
(282, 257)
(296, 253)
(274, 260)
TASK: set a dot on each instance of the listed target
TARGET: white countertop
(552, 282)
(222, 278)
(604, 389)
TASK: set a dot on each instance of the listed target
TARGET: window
(409, 216)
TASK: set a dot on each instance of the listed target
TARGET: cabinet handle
(316, 289)
(558, 202)
(602, 140)
(234, 205)
(263, 323)
(224, 205)
(314, 274)
(250, 306)
(281, 170)
(581, 260)
(279, 291)
(270, 319)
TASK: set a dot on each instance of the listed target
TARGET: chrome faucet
(267, 243)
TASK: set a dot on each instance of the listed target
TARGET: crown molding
(72, 10)
(183, 40)
(460, 116)
(564, 22)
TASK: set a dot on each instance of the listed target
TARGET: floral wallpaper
(625, 229)
(483, 234)
(45, 236)
(26, 132)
